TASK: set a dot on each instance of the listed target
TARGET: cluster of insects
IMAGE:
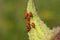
(28, 16)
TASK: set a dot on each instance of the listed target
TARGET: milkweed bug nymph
(28, 28)
(28, 19)
(33, 25)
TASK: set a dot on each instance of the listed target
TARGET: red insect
(33, 25)
(28, 28)
(30, 14)
(28, 19)
(26, 15)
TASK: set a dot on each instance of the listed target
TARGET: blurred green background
(13, 24)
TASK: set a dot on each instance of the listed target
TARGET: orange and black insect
(28, 28)
(28, 20)
(33, 24)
